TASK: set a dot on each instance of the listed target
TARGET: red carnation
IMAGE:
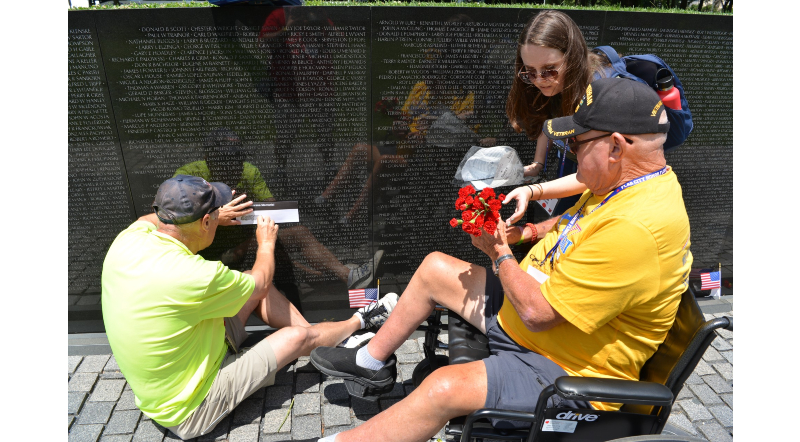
(486, 193)
(501, 197)
(466, 190)
(479, 221)
(454, 222)
(467, 215)
(489, 227)
(469, 200)
(467, 227)
(495, 205)
(472, 230)
(460, 203)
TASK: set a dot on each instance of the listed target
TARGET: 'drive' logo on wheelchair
(566, 422)
(569, 415)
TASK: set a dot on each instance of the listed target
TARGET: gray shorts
(515, 375)
(241, 374)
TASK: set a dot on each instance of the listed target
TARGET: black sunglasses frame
(572, 144)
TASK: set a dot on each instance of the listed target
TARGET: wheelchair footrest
(366, 391)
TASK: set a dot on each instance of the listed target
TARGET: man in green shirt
(175, 321)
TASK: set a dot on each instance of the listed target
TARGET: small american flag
(710, 281)
(362, 297)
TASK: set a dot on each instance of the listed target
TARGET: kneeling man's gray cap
(612, 105)
(185, 199)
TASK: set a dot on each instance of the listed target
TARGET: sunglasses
(528, 77)
(572, 143)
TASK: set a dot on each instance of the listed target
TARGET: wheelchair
(646, 403)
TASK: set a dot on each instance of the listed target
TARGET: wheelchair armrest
(613, 390)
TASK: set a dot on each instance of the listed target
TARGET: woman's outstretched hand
(523, 196)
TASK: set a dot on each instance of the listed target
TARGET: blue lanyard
(578, 215)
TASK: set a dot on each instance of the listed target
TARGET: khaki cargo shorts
(240, 375)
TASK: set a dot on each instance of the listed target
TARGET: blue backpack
(643, 68)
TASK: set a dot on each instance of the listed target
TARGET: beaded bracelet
(522, 233)
(535, 231)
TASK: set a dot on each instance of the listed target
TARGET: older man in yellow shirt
(594, 296)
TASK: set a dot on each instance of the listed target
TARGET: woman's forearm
(561, 188)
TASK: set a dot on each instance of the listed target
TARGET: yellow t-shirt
(163, 310)
(618, 283)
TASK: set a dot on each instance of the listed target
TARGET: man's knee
(456, 390)
(295, 337)
(440, 387)
(436, 262)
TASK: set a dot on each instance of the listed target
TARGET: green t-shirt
(251, 183)
(163, 309)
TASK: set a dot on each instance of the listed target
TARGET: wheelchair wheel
(423, 369)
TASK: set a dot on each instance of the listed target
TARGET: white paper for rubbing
(279, 211)
(279, 216)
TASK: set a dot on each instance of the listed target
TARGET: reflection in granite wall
(441, 77)
(274, 104)
(360, 114)
(99, 199)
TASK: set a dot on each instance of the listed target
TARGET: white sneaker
(356, 340)
(375, 314)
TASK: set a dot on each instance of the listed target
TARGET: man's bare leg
(453, 390)
(440, 279)
(295, 337)
(274, 310)
(290, 343)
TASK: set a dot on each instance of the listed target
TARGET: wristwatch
(499, 260)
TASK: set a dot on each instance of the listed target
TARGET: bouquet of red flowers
(478, 210)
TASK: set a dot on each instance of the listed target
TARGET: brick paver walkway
(305, 405)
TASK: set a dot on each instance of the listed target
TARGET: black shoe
(363, 382)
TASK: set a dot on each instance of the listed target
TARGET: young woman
(553, 68)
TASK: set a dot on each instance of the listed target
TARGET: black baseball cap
(185, 199)
(612, 105)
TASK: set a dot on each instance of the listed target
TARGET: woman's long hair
(527, 108)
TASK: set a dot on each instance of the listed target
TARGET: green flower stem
(287, 415)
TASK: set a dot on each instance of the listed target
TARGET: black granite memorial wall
(360, 114)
